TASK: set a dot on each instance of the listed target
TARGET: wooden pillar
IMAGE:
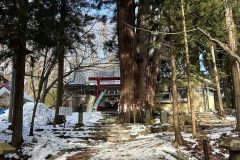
(98, 87)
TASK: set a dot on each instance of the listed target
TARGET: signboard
(66, 111)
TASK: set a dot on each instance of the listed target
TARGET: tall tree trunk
(189, 87)
(142, 42)
(217, 82)
(58, 119)
(60, 51)
(142, 56)
(19, 49)
(17, 121)
(178, 135)
(39, 91)
(126, 38)
(234, 64)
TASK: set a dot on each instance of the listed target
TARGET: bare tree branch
(157, 32)
(224, 46)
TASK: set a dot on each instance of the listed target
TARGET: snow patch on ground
(45, 143)
(44, 115)
(231, 118)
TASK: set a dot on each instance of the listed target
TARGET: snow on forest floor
(46, 142)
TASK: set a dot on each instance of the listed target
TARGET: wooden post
(205, 149)
(98, 87)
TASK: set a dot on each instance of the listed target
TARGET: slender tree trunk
(126, 42)
(234, 64)
(178, 135)
(44, 91)
(217, 82)
(60, 51)
(46, 75)
(189, 87)
(36, 98)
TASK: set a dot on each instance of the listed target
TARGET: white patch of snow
(136, 129)
(226, 155)
(91, 117)
(216, 150)
(44, 115)
(45, 142)
(157, 121)
(231, 118)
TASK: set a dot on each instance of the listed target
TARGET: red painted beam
(110, 85)
(104, 78)
(99, 79)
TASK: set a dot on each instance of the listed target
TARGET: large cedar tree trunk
(60, 53)
(230, 25)
(188, 70)
(19, 49)
(142, 42)
(142, 46)
(177, 132)
(126, 38)
(17, 121)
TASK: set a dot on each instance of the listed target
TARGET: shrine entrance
(107, 93)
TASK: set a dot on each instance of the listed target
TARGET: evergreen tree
(14, 19)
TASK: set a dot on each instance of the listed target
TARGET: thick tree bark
(152, 78)
(142, 58)
(142, 42)
(17, 121)
(177, 132)
(217, 82)
(236, 88)
(126, 42)
(189, 87)
(19, 49)
(235, 63)
(60, 51)
(58, 119)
